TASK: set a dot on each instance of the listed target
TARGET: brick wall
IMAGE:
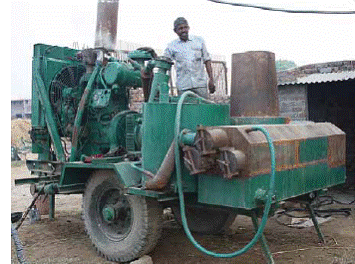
(293, 102)
(293, 98)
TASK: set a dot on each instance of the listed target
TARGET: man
(191, 57)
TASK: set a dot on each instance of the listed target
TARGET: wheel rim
(113, 214)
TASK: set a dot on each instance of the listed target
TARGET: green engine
(85, 94)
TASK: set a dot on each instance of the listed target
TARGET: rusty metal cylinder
(161, 179)
(106, 24)
(207, 140)
(254, 84)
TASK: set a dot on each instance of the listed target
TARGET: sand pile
(20, 129)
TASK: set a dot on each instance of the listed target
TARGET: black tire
(205, 220)
(136, 227)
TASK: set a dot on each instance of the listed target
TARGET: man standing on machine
(191, 57)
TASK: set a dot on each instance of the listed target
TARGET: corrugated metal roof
(323, 77)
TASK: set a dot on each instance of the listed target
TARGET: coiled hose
(270, 193)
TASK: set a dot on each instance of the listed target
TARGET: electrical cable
(318, 212)
(332, 200)
(320, 201)
(285, 10)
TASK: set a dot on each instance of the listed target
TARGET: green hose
(181, 193)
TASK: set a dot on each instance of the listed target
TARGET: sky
(302, 38)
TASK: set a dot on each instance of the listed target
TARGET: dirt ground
(64, 240)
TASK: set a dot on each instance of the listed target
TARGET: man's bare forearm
(211, 86)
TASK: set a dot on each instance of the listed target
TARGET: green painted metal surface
(309, 157)
(158, 127)
(140, 56)
(122, 74)
(161, 196)
(78, 172)
(161, 80)
(313, 149)
(240, 192)
(47, 61)
(262, 120)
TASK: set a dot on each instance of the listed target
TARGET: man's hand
(211, 86)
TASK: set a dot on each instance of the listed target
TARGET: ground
(64, 240)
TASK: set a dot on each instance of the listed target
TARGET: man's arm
(211, 86)
(208, 64)
(168, 52)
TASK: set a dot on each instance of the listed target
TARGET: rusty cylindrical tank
(106, 24)
(254, 84)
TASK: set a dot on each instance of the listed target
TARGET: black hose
(18, 245)
(318, 212)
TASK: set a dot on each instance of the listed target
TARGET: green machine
(208, 162)
(186, 153)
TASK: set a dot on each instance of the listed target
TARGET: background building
(21, 108)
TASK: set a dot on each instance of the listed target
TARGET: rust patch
(336, 150)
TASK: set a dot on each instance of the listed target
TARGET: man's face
(182, 31)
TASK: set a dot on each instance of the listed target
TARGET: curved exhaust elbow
(163, 175)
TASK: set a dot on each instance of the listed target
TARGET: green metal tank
(158, 129)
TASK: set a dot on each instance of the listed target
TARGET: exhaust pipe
(106, 24)
(163, 175)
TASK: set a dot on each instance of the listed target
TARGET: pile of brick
(137, 99)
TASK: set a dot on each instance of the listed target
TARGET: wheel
(205, 220)
(121, 227)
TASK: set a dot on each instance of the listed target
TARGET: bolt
(108, 213)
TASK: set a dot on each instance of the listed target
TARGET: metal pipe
(29, 208)
(147, 173)
(162, 177)
(51, 206)
(106, 24)
(315, 223)
(161, 80)
(80, 112)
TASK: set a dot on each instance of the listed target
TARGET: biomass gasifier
(207, 161)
